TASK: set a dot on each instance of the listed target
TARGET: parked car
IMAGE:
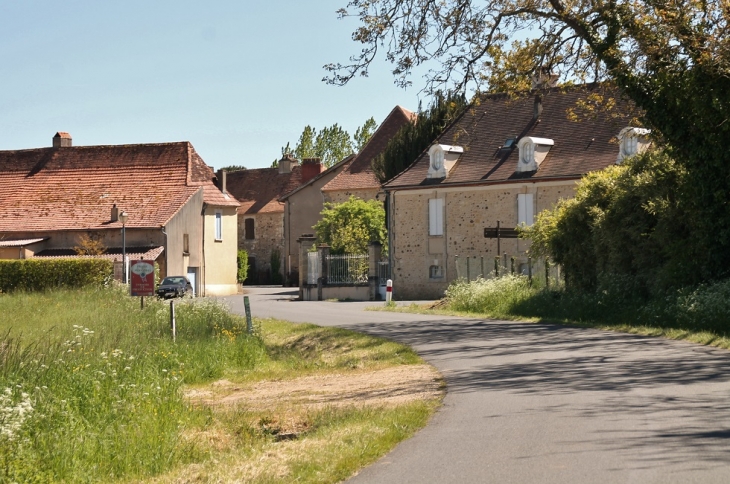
(174, 286)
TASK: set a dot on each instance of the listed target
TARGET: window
(525, 212)
(436, 272)
(218, 226)
(186, 244)
(436, 216)
(249, 229)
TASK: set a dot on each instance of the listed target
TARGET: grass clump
(700, 313)
(93, 389)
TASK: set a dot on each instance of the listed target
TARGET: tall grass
(703, 309)
(91, 383)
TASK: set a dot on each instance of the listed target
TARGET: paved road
(544, 403)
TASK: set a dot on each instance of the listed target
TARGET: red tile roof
(580, 147)
(112, 253)
(258, 190)
(70, 188)
(359, 174)
(21, 242)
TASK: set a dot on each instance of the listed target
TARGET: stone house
(501, 162)
(261, 227)
(52, 199)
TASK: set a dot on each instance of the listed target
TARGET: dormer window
(532, 152)
(442, 159)
(632, 141)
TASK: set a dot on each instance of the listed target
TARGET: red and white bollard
(388, 291)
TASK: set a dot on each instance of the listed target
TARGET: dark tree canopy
(418, 135)
(671, 58)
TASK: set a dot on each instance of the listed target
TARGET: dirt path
(389, 386)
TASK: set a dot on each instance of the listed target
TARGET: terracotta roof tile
(112, 253)
(359, 174)
(75, 187)
(580, 147)
(21, 242)
(258, 190)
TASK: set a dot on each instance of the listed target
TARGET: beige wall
(269, 234)
(220, 255)
(186, 221)
(301, 212)
(467, 211)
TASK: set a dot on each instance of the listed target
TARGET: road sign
(143, 278)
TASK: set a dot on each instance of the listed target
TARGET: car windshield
(173, 280)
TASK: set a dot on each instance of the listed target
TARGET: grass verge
(699, 314)
(92, 389)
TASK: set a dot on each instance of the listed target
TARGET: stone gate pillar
(306, 242)
(375, 250)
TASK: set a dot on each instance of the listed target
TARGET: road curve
(545, 403)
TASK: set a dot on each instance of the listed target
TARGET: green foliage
(275, 261)
(350, 226)
(42, 275)
(242, 266)
(96, 382)
(364, 133)
(414, 138)
(233, 168)
(627, 220)
(305, 146)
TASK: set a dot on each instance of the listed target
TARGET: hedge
(41, 275)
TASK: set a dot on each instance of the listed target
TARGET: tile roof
(258, 190)
(358, 174)
(112, 253)
(337, 166)
(75, 187)
(21, 242)
(580, 147)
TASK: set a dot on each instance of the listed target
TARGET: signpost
(142, 279)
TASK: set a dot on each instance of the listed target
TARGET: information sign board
(142, 277)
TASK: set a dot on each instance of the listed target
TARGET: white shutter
(525, 210)
(436, 216)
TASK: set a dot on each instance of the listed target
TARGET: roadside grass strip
(93, 389)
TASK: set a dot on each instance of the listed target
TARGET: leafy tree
(332, 145)
(306, 145)
(90, 244)
(415, 137)
(350, 226)
(364, 133)
(671, 58)
(627, 220)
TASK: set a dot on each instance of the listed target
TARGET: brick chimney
(286, 163)
(115, 213)
(311, 167)
(62, 140)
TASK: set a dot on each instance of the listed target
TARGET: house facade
(53, 201)
(261, 215)
(498, 165)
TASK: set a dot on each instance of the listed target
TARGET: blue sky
(238, 79)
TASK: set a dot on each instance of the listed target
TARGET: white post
(388, 291)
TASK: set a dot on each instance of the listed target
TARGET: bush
(275, 260)
(242, 262)
(42, 275)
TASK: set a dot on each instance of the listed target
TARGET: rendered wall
(467, 212)
(220, 255)
(187, 220)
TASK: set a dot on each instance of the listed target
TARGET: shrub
(42, 275)
(242, 262)
(275, 261)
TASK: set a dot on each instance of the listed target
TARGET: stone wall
(417, 257)
(341, 196)
(269, 234)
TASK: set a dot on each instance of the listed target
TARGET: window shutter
(436, 216)
(525, 211)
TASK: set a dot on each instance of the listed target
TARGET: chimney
(537, 107)
(311, 167)
(115, 213)
(544, 78)
(286, 163)
(62, 140)
(222, 175)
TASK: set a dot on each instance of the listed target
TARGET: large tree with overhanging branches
(671, 58)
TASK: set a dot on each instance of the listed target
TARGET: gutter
(489, 183)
